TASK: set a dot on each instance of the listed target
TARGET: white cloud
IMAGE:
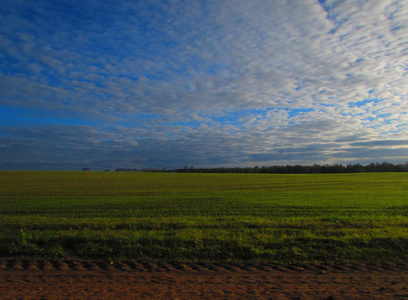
(235, 70)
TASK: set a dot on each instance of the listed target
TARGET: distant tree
(401, 168)
(357, 168)
(386, 167)
(299, 169)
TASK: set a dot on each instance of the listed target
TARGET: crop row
(205, 217)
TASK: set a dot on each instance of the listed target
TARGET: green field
(205, 217)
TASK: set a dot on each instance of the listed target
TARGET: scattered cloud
(109, 84)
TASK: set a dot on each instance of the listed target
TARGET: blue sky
(152, 84)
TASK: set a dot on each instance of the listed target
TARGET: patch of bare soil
(79, 279)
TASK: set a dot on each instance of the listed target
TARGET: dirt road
(77, 279)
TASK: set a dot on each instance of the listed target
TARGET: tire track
(13, 264)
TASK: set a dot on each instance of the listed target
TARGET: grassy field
(205, 217)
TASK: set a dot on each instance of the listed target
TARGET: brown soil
(78, 279)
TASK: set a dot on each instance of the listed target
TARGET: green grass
(205, 217)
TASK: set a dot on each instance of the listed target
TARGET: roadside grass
(205, 217)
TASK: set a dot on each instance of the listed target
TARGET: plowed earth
(81, 279)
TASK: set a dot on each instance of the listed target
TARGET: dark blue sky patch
(22, 117)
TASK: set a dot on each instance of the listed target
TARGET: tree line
(300, 169)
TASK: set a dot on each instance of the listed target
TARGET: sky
(109, 84)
